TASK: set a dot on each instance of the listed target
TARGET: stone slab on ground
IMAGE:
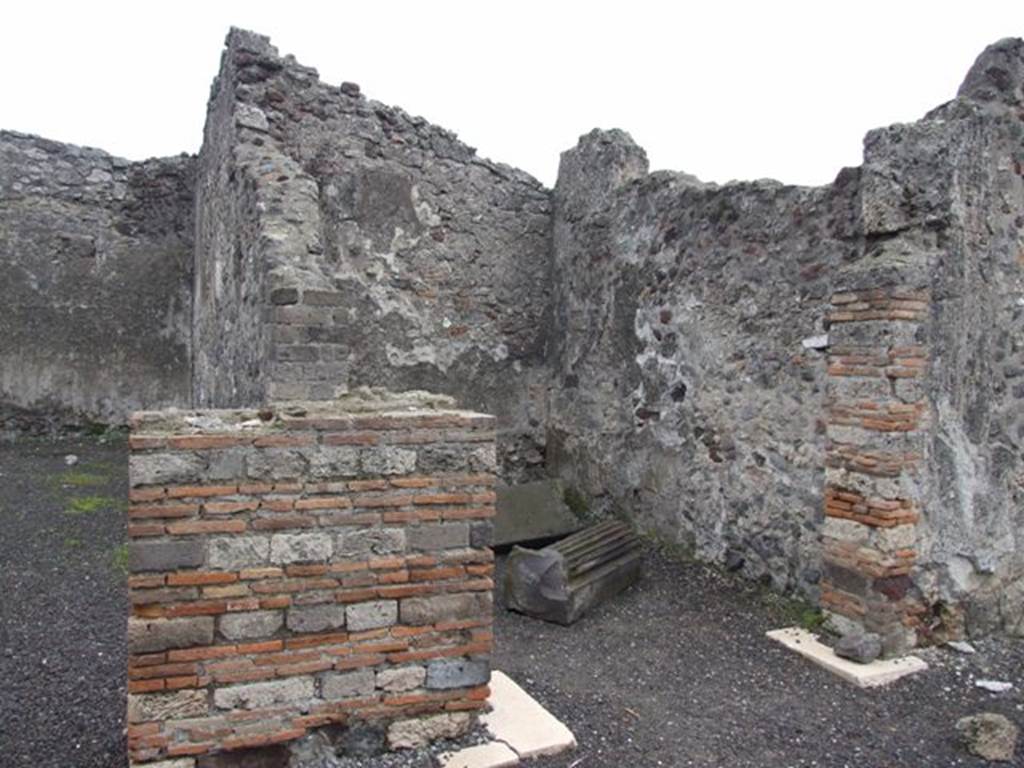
(493, 754)
(518, 720)
(532, 512)
(521, 728)
(877, 673)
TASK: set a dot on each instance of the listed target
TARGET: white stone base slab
(521, 728)
(493, 754)
(879, 672)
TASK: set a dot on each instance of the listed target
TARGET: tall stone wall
(301, 566)
(95, 284)
(924, 470)
(973, 536)
(688, 373)
(378, 250)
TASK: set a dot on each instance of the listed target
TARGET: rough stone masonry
(820, 387)
(302, 566)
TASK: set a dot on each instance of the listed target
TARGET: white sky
(723, 90)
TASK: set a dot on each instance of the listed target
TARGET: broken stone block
(532, 512)
(861, 647)
(988, 735)
(418, 732)
(561, 582)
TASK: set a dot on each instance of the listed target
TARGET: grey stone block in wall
(388, 461)
(249, 625)
(164, 468)
(398, 679)
(372, 615)
(164, 555)
(316, 618)
(442, 458)
(276, 464)
(167, 706)
(300, 548)
(334, 462)
(153, 635)
(234, 552)
(432, 536)
(346, 685)
(418, 611)
(266, 694)
(366, 542)
(457, 673)
(226, 464)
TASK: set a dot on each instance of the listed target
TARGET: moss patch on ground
(81, 505)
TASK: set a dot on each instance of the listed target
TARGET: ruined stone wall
(230, 338)
(972, 536)
(95, 284)
(922, 540)
(295, 567)
(394, 255)
(688, 375)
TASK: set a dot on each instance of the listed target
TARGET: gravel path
(676, 672)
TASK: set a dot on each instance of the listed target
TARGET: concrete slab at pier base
(877, 673)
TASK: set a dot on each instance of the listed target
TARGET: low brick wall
(303, 566)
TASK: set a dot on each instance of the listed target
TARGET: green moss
(795, 611)
(119, 560)
(87, 504)
(72, 542)
(81, 479)
(576, 502)
(94, 429)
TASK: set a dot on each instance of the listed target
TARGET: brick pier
(300, 566)
(877, 411)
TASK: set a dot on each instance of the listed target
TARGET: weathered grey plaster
(95, 257)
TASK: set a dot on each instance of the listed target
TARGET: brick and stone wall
(95, 284)
(688, 363)
(925, 473)
(347, 243)
(877, 422)
(300, 566)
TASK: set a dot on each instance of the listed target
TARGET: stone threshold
(877, 673)
(521, 728)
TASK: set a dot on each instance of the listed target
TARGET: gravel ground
(63, 605)
(675, 672)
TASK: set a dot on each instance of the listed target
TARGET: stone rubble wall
(380, 251)
(95, 284)
(688, 371)
(296, 567)
(925, 472)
